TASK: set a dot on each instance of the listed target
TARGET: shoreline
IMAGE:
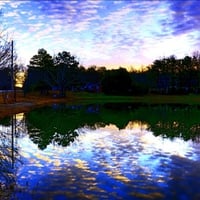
(35, 100)
(26, 104)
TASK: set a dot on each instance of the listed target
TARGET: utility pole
(12, 73)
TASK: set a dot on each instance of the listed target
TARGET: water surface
(114, 151)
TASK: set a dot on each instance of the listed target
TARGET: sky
(110, 33)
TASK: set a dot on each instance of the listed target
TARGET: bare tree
(7, 58)
(5, 50)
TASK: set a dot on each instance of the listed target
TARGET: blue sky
(104, 32)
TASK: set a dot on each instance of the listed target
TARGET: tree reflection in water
(61, 125)
(175, 121)
(9, 156)
(58, 124)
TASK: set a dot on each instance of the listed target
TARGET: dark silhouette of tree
(46, 72)
(42, 59)
(196, 70)
(91, 79)
(164, 71)
(116, 82)
(176, 76)
(40, 72)
(168, 75)
(141, 82)
(36, 79)
(65, 58)
(66, 67)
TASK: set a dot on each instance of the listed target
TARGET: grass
(33, 100)
(150, 99)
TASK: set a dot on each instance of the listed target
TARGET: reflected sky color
(110, 163)
(109, 33)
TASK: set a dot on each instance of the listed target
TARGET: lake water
(111, 151)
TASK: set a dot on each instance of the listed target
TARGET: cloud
(104, 30)
(185, 16)
(12, 14)
(32, 17)
(16, 4)
(74, 10)
(126, 29)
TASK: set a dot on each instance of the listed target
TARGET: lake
(109, 151)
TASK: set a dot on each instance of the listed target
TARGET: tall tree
(5, 53)
(66, 68)
(116, 82)
(40, 72)
(5, 46)
(42, 59)
(66, 59)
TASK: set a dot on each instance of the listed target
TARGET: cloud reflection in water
(110, 163)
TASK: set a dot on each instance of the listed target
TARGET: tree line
(62, 72)
(175, 76)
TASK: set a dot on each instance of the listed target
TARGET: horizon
(104, 33)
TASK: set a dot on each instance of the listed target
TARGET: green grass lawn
(85, 97)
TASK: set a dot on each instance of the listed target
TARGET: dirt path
(25, 104)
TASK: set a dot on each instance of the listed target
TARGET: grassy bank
(150, 99)
(33, 100)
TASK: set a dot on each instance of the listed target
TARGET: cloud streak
(102, 32)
